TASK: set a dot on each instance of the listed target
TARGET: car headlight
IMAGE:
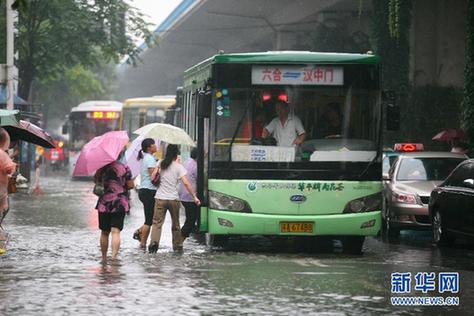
(367, 203)
(402, 197)
(224, 202)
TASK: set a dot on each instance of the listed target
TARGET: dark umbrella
(30, 133)
(450, 134)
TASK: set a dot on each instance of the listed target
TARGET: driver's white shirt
(285, 134)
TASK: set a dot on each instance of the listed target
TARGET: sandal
(137, 235)
(153, 247)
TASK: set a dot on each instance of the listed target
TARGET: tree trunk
(26, 79)
(467, 116)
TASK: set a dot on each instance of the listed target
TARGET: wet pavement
(52, 267)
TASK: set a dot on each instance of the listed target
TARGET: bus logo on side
(252, 186)
(298, 198)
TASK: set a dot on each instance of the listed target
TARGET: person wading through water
(167, 198)
(147, 190)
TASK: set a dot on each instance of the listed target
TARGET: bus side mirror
(64, 129)
(392, 110)
(204, 103)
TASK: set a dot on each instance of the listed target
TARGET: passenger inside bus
(331, 122)
(286, 128)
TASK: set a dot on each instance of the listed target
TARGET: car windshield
(426, 169)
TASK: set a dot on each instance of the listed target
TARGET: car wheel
(353, 245)
(440, 234)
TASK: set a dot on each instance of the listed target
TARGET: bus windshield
(339, 124)
(84, 128)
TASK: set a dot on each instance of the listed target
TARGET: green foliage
(394, 18)
(395, 53)
(73, 86)
(468, 99)
(58, 34)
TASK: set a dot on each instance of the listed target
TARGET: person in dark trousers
(191, 208)
(147, 190)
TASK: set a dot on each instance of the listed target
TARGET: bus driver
(287, 129)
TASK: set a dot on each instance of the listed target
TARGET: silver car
(408, 185)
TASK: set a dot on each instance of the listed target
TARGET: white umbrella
(166, 133)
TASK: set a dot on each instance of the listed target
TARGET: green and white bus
(330, 185)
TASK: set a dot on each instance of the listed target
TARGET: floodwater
(52, 267)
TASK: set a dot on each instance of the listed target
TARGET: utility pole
(10, 66)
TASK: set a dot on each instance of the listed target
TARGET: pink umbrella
(100, 151)
(450, 134)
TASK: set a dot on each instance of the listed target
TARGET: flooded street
(52, 267)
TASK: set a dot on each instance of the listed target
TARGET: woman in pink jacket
(7, 168)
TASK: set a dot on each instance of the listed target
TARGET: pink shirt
(7, 168)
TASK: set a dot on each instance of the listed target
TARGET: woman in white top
(167, 198)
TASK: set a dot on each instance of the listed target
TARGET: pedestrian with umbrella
(167, 198)
(454, 136)
(171, 174)
(113, 181)
(7, 168)
(147, 190)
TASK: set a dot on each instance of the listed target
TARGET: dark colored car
(451, 206)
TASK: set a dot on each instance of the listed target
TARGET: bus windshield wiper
(370, 164)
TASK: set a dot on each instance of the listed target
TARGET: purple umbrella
(131, 155)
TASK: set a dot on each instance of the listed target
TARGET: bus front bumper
(361, 224)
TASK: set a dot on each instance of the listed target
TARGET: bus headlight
(367, 203)
(224, 202)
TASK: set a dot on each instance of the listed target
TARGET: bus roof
(161, 101)
(98, 106)
(288, 57)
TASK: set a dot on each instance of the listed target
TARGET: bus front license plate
(296, 227)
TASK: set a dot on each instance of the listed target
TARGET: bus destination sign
(297, 75)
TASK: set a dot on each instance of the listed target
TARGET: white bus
(90, 119)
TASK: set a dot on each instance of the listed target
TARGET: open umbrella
(166, 133)
(100, 151)
(30, 133)
(450, 134)
(7, 117)
(131, 155)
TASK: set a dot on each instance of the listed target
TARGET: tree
(467, 117)
(54, 35)
(73, 86)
